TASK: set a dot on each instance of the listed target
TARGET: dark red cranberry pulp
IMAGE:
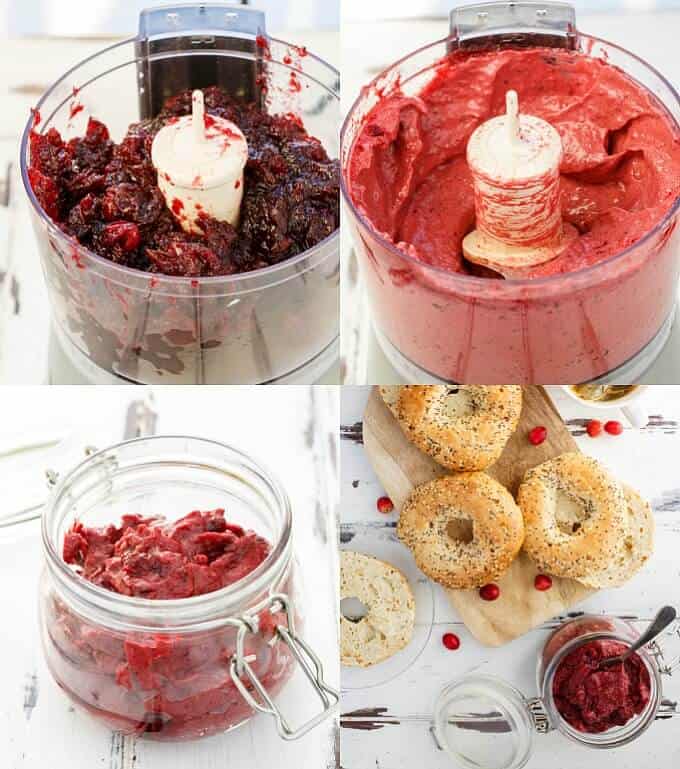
(106, 194)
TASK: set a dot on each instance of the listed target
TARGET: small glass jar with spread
(481, 720)
(165, 667)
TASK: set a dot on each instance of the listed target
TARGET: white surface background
(293, 430)
(367, 47)
(647, 459)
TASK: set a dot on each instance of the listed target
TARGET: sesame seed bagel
(634, 547)
(575, 515)
(463, 427)
(388, 624)
(464, 530)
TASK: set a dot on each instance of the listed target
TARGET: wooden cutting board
(401, 467)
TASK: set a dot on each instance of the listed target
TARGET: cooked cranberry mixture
(150, 558)
(105, 194)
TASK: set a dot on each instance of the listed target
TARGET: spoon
(662, 620)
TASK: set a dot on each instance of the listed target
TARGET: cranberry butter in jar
(513, 191)
(168, 604)
(482, 720)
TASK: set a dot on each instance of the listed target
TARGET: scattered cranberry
(613, 427)
(538, 435)
(543, 582)
(385, 505)
(594, 428)
(489, 592)
(451, 641)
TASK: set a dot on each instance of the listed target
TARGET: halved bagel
(464, 530)
(463, 427)
(388, 624)
(634, 547)
(575, 515)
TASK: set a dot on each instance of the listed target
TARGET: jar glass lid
(482, 721)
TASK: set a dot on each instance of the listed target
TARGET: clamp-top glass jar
(183, 668)
(481, 720)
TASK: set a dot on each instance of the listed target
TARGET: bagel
(390, 395)
(634, 547)
(388, 625)
(464, 530)
(463, 427)
(575, 515)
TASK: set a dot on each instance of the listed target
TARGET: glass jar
(481, 720)
(608, 321)
(182, 668)
(112, 323)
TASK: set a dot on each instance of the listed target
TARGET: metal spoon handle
(663, 619)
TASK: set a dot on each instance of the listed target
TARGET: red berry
(489, 592)
(124, 234)
(385, 505)
(538, 435)
(451, 641)
(543, 582)
(594, 428)
(613, 427)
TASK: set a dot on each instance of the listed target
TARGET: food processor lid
(200, 18)
(474, 25)
(207, 28)
(481, 721)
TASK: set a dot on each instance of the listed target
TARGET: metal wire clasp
(666, 667)
(306, 658)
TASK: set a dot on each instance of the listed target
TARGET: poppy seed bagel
(463, 427)
(575, 515)
(464, 530)
(634, 547)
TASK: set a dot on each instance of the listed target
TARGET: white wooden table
(27, 68)
(647, 459)
(368, 48)
(293, 430)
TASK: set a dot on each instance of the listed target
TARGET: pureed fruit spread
(106, 195)
(594, 699)
(164, 685)
(620, 174)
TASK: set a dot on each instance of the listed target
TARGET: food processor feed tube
(548, 257)
(155, 277)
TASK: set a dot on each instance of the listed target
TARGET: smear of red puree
(149, 558)
(594, 700)
(620, 171)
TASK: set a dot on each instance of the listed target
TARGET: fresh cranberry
(537, 435)
(613, 427)
(594, 428)
(385, 505)
(451, 641)
(489, 592)
(123, 234)
(542, 582)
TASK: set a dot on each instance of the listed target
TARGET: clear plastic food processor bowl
(274, 324)
(610, 320)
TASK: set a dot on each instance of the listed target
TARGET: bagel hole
(458, 402)
(460, 530)
(352, 609)
(571, 512)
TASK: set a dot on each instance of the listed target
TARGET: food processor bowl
(594, 324)
(112, 323)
